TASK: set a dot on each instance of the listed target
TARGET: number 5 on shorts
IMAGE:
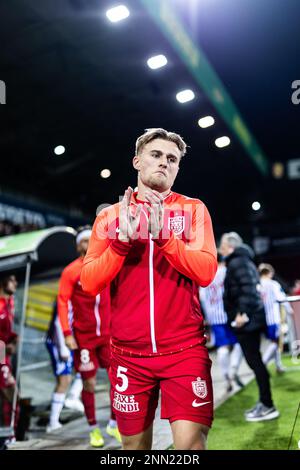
(121, 374)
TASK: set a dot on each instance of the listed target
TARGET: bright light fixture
(117, 13)
(256, 206)
(278, 170)
(222, 141)
(185, 95)
(105, 173)
(59, 150)
(157, 61)
(206, 121)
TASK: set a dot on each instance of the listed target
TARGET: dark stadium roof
(73, 78)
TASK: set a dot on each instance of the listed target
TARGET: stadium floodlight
(206, 121)
(105, 173)
(222, 141)
(2, 92)
(156, 62)
(117, 13)
(256, 206)
(278, 170)
(185, 95)
(59, 150)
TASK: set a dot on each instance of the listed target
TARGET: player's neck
(142, 189)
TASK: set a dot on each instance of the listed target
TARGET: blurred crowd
(8, 228)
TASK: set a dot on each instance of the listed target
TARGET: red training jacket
(153, 283)
(91, 313)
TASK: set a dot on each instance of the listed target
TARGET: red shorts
(87, 361)
(6, 378)
(183, 378)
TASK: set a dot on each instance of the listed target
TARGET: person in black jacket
(246, 315)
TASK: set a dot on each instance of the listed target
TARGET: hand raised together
(156, 211)
(128, 219)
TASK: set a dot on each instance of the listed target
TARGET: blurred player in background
(272, 294)
(9, 339)
(88, 336)
(62, 364)
(296, 288)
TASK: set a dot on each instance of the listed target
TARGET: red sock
(6, 412)
(88, 400)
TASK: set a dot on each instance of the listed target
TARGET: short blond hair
(159, 133)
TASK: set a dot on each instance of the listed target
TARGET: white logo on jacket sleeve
(176, 224)
(200, 388)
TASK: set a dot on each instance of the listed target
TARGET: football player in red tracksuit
(154, 249)
(90, 338)
(8, 338)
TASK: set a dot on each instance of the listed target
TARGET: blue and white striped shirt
(272, 292)
(212, 299)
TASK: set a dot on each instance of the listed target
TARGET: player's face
(158, 164)
(225, 249)
(82, 247)
(11, 285)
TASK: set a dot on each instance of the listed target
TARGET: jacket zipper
(97, 316)
(151, 286)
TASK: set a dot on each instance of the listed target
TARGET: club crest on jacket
(176, 224)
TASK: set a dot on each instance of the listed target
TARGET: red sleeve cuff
(13, 337)
(121, 248)
(67, 333)
(165, 235)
